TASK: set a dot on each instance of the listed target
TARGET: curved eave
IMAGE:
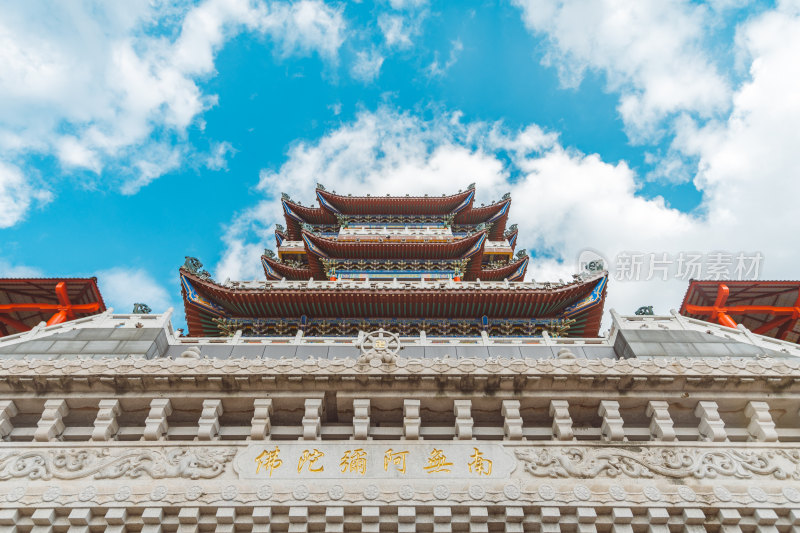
(396, 205)
(277, 270)
(296, 214)
(514, 271)
(484, 213)
(587, 312)
(388, 302)
(280, 236)
(457, 249)
(512, 239)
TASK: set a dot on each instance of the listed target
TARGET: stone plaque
(362, 460)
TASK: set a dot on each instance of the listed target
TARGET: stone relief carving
(668, 462)
(109, 463)
(765, 367)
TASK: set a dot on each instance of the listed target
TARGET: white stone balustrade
(312, 421)
(442, 520)
(260, 425)
(262, 520)
(562, 422)
(334, 520)
(208, 425)
(611, 427)
(550, 517)
(370, 519)
(156, 425)
(761, 427)
(361, 411)
(188, 520)
(226, 520)
(463, 411)
(411, 419)
(298, 519)
(661, 426)
(512, 420)
(729, 520)
(8, 410)
(657, 518)
(621, 520)
(79, 520)
(587, 518)
(105, 424)
(478, 520)
(693, 520)
(51, 424)
(406, 520)
(711, 427)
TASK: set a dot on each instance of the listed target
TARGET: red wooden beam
(720, 313)
(81, 308)
(16, 324)
(761, 330)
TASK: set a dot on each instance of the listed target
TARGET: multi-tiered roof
(438, 265)
(396, 237)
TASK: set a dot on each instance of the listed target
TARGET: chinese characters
(418, 460)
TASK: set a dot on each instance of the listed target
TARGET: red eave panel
(395, 205)
(392, 250)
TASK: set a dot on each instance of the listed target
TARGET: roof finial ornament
(279, 228)
(141, 309)
(269, 253)
(522, 254)
(286, 197)
(507, 196)
(471, 186)
(645, 310)
(510, 231)
(320, 187)
(594, 266)
(194, 266)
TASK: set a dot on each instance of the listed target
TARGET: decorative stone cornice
(695, 367)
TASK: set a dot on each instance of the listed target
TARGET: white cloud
(122, 287)
(112, 87)
(651, 52)
(17, 195)
(436, 68)
(9, 270)
(218, 158)
(407, 4)
(396, 30)
(367, 66)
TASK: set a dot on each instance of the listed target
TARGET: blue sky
(133, 135)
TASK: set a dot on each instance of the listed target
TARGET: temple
(439, 266)
(395, 372)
